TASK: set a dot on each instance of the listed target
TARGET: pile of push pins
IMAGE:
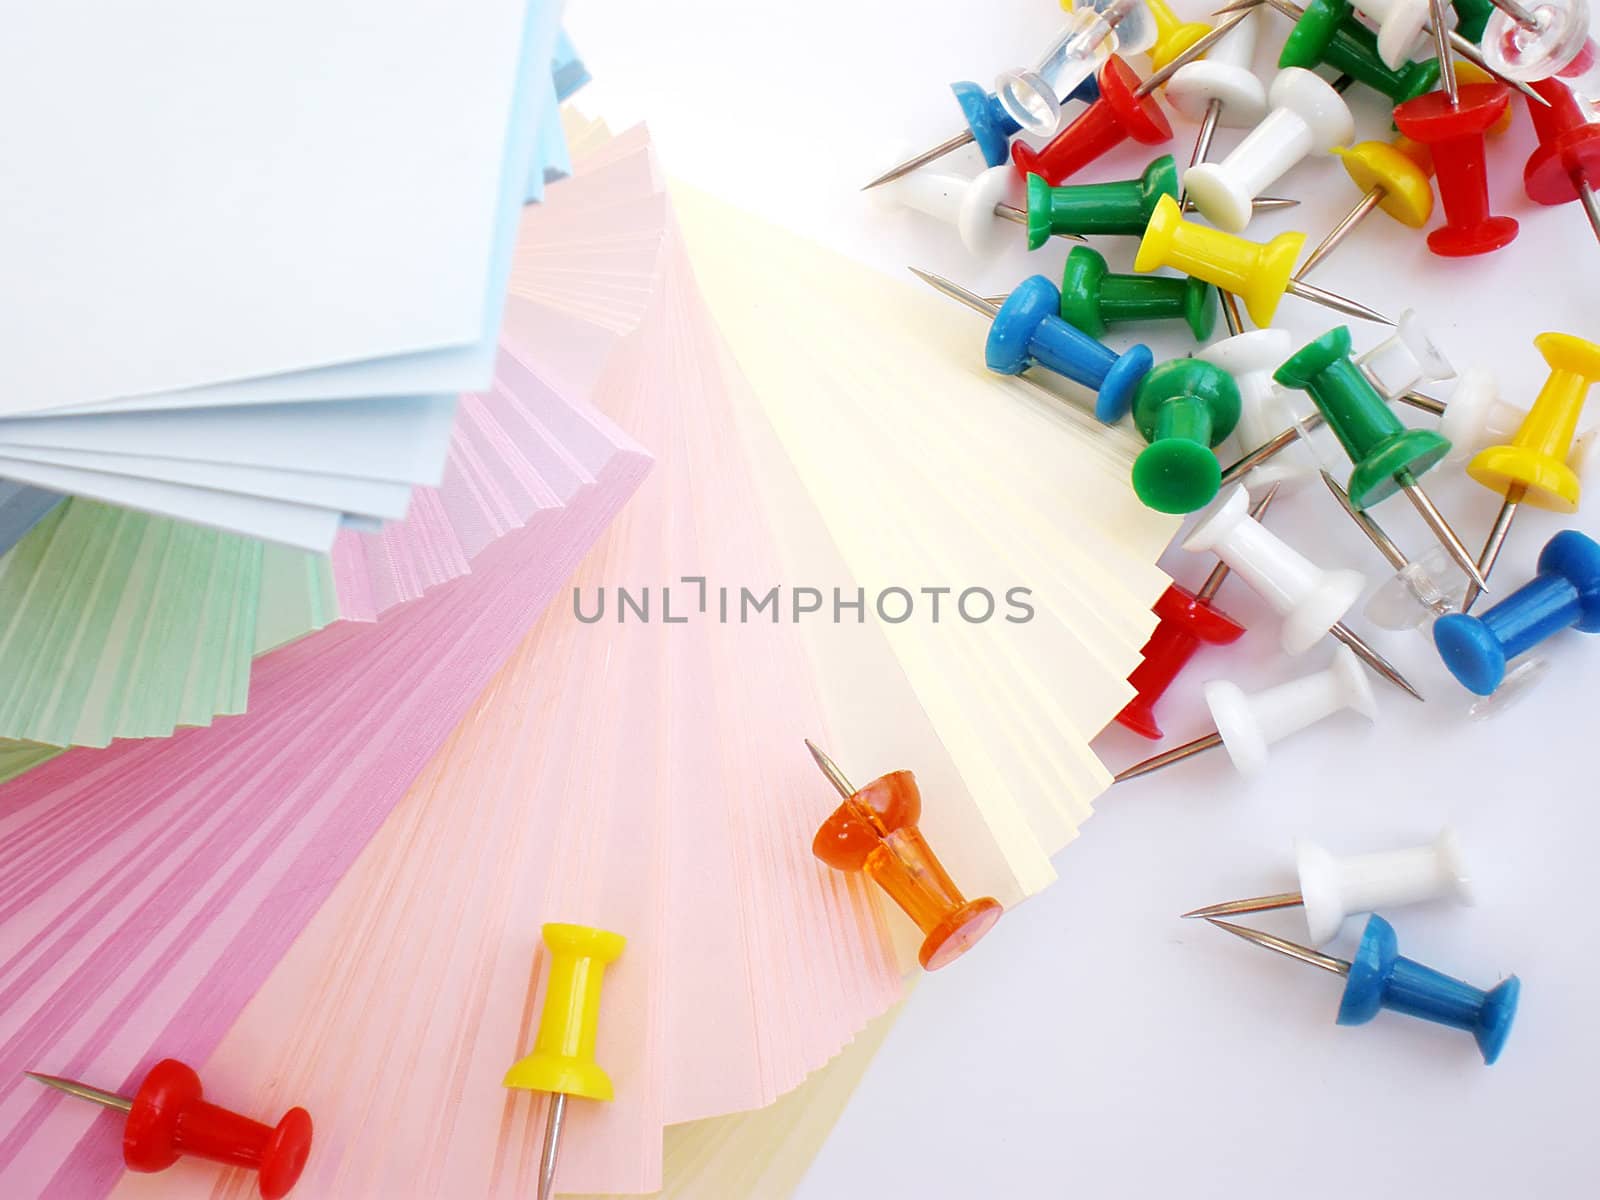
(1085, 98)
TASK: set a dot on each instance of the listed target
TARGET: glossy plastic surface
(1472, 17)
(1568, 153)
(1183, 408)
(1111, 120)
(563, 1050)
(1031, 98)
(1334, 888)
(1400, 24)
(1255, 272)
(1380, 978)
(875, 832)
(1173, 36)
(968, 205)
(1406, 359)
(1225, 75)
(1094, 298)
(1536, 458)
(1379, 445)
(1407, 185)
(1455, 137)
(1265, 411)
(1330, 34)
(1251, 724)
(1310, 599)
(1420, 592)
(1564, 595)
(169, 1120)
(1121, 206)
(1558, 45)
(987, 120)
(1029, 331)
(1187, 623)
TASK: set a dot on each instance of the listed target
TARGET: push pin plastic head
(1121, 207)
(1249, 725)
(1555, 43)
(1400, 25)
(1328, 32)
(1224, 78)
(1454, 135)
(1565, 166)
(1564, 595)
(875, 832)
(1472, 17)
(1173, 36)
(1476, 417)
(1264, 407)
(1094, 298)
(1333, 888)
(1393, 176)
(1307, 117)
(1030, 98)
(168, 1120)
(1406, 359)
(1188, 621)
(972, 206)
(1310, 599)
(1183, 408)
(1378, 978)
(1119, 114)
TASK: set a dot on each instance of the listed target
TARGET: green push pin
(1121, 207)
(1471, 18)
(1387, 456)
(1093, 297)
(1183, 408)
(1329, 33)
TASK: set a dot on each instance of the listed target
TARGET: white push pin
(1249, 725)
(1405, 359)
(1402, 26)
(1307, 117)
(1221, 89)
(1310, 599)
(1265, 408)
(1477, 418)
(1333, 889)
(984, 211)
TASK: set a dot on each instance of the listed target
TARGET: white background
(1095, 1045)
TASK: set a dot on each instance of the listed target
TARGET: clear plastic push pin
(1406, 359)
(1266, 410)
(1031, 98)
(1548, 39)
(1402, 25)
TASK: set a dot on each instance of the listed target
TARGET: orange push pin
(875, 831)
(562, 1062)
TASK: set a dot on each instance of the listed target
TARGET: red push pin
(1567, 161)
(1188, 621)
(1125, 110)
(1454, 133)
(167, 1119)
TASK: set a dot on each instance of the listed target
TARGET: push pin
(1094, 298)
(1387, 456)
(1248, 726)
(168, 1119)
(1420, 590)
(1121, 112)
(1120, 207)
(1454, 136)
(1565, 594)
(1029, 97)
(981, 210)
(1027, 330)
(1395, 177)
(1182, 408)
(1552, 41)
(1378, 978)
(1476, 418)
(1401, 25)
(1333, 888)
(562, 1063)
(1173, 36)
(1257, 273)
(1472, 17)
(1565, 164)
(1405, 359)
(875, 831)
(1264, 408)
(1188, 620)
(988, 125)
(1222, 88)
(1532, 468)
(1307, 117)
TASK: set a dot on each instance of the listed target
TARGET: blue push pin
(1028, 331)
(1565, 594)
(1380, 978)
(988, 124)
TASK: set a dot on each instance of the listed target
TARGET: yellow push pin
(1395, 176)
(562, 1063)
(1173, 36)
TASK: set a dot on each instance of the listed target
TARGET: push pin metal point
(1564, 595)
(1119, 114)
(1249, 725)
(1333, 889)
(1183, 408)
(1307, 117)
(875, 832)
(1420, 591)
(989, 126)
(1251, 358)
(1029, 95)
(1378, 978)
(1565, 164)
(563, 1060)
(1027, 330)
(168, 1119)
(1221, 89)
(1386, 456)
(1394, 176)
(1188, 621)
(1093, 297)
